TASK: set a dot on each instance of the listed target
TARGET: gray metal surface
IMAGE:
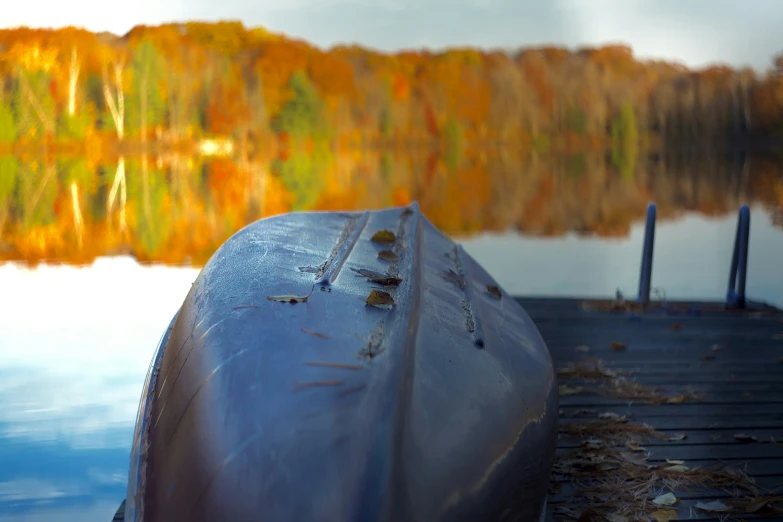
(441, 407)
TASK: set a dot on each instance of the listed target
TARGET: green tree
(387, 167)
(386, 124)
(146, 106)
(303, 174)
(576, 165)
(38, 190)
(625, 141)
(77, 171)
(33, 103)
(304, 115)
(452, 134)
(540, 143)
(9, 167)
(147, 190)
(75, 126)
(8, 128)
(577, 121)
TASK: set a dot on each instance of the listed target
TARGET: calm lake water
(77, 331)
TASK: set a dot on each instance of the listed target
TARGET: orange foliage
(372, 96)
(332, 75)
(277, 198)
(400, 88)
(401, 197)
(228, 185)
(226, 109)
(277, 62)
(459, 202)
(535, 70)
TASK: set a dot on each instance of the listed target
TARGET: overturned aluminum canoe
(278, 394)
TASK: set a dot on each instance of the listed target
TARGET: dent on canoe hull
(278, 393)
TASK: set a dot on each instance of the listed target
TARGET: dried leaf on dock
(618, 384)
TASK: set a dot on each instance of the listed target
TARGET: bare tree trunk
(143, 106)
(174, 116)
(78, 223)
(116, 108)
(745, 103)
(745, 177)
(735, 105)
(118, 185)
(662, 125)
(29, 208)
(73, 78)
(146, 187)
(123, 200)
(46, 122)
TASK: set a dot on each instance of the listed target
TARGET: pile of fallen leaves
(615, 383)
(609, 472)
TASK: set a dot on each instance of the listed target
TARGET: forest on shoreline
(218, 87)
(165, 141)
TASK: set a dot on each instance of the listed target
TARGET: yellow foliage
(33, 57)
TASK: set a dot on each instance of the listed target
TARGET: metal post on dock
(735, 296)
(645, 277)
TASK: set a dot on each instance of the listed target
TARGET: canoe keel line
(345, 368)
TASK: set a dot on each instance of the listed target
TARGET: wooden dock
(712, 375)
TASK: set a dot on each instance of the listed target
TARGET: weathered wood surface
(734, 359)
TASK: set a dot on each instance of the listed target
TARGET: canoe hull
(279, 394)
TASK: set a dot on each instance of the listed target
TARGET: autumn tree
(113, 64)
(304, 175)
(625, 141)
(75, 59)
(223, 79)
(8, 128)
(510, 93)
(258, 121)
(148, 193)
(33, 102)
(146, 105)
(303, 116)
(226, 111)
(9, 168)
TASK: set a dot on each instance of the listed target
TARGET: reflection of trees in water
(78, 222)
(9, 168)
(148, 190)
(173, 209)
(303, 174)
(119, 184)
(549, 196)
(258, 172)
(78, 176)
(38, 191)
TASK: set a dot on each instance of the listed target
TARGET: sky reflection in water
(75, 343)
